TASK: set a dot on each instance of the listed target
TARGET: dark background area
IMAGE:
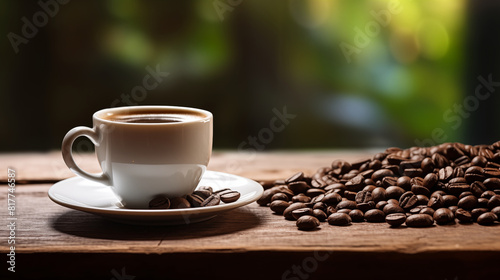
(243, 60)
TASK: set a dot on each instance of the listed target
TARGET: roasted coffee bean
(389, 181)
(195, 200)
(266, 184)
(427, 165)
(395, 219)
(297, 213)
(378, 194)
(363, 196)
(382, 173)
(474, 173)
(221, 191)
(301, 198)
(417, 209)
(341, 167)
(419, 189)
(487, 218)
(496, 211)
(332, 199)
(212, 200)
(298, 187)
(159, 202)
(419, 220)
(313, 192)
(268, 194)
(422, 199)
(482, 202)
(317, 198)
(355, 184)
(392, 208)
(320, 205)
(449, 200)
(345, 211)
(453, 208)
(468, 202)
(491, 172)
(445, 174)
(393, 201)
(494, 202)
(287, 213)
(206, 188)
(408, 200)
(488, 194)
(357, 215)
(350, 195)
(464, 194)
(427, 210)
(430, 180)
(180, 202)
(477, 188)
(381, 204)
(404, 182)
(374, 216)
(319, 214)
(479, 161)
(278, 206)
(330, 210)
(457, 186)
(443, 216)
(365, 206)
(229, 196)
(394, 192)
(299, 176)
(307, 222)
(476, 212)
(492, 183)
(339, 219)
(346, 204)
(204, 194)
(463, 215)
(279, 196)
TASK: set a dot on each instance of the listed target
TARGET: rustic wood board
(43, 226)
(50, 167)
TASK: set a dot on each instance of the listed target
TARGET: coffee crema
(151, 118)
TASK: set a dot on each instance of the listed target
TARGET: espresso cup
(146, 151)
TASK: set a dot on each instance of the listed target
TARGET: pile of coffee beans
(417, 187)
(202, 197)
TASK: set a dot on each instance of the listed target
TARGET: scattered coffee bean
(195, 200)
(339, 219)
(395, 219)
(307, 222)
(419, 220)
(229, 196)
(179, 203)
(416, 186)
(487, 218)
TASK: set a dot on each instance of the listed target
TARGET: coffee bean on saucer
(203, 193)
(221, 190)
(212, 200)
(159, 202)
(307, 222)
(179, 202)
(229, 196)
(206, 188)
(195, 200)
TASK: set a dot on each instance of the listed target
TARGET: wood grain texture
(59, 243)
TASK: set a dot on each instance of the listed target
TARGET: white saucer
(88, 196)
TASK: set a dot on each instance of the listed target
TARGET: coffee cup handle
(67, 153)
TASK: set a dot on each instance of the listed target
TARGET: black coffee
(149, 118)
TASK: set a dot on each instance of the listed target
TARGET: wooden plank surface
(47, 233)
(44, 226)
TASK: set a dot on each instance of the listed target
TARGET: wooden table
(54, 242)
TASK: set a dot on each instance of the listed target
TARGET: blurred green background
(353, 73)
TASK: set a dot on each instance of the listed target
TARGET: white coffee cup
(146, 151)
